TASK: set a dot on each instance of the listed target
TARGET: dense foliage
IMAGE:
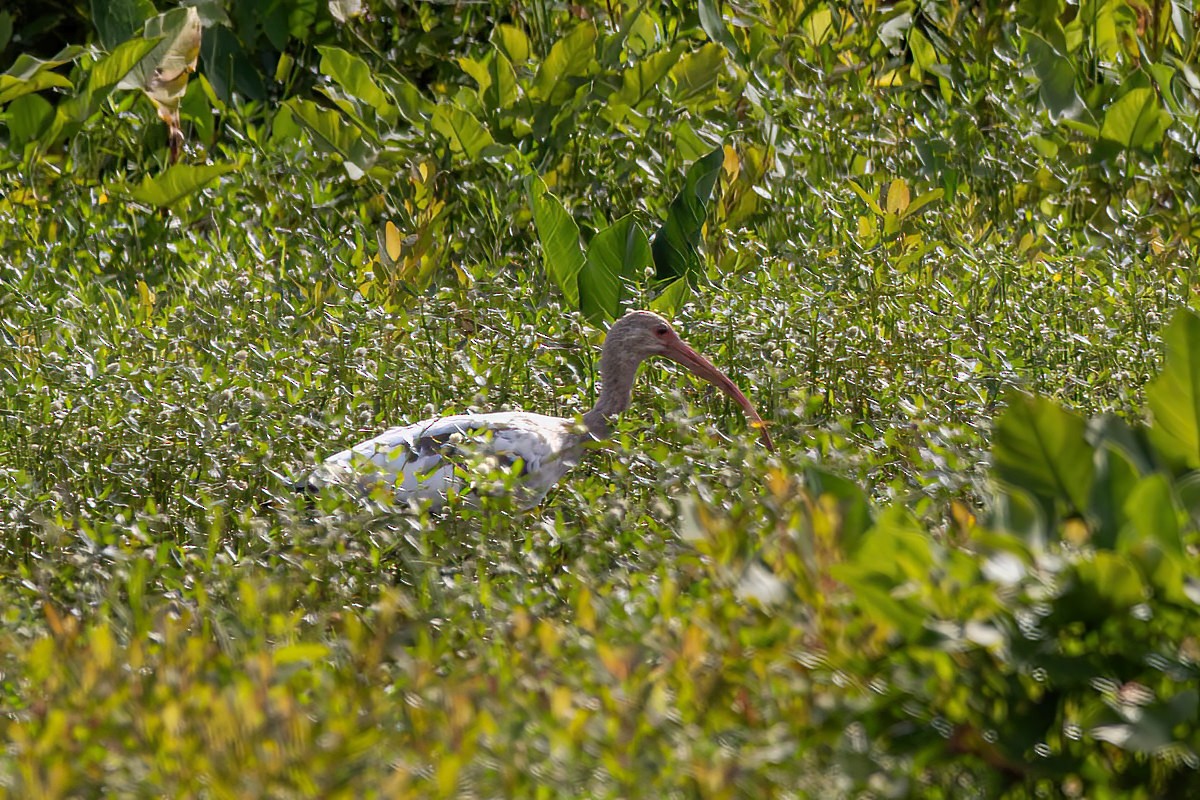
(938, 243)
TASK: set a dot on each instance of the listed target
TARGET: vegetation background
(947, 247)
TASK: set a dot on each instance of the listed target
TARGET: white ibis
(424, 460)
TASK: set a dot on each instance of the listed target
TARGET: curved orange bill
(679, 352)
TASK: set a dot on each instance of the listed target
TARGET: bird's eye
(661, 331)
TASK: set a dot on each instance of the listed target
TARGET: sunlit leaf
(569, 57)
(1136, 120)
(177, 182)
(464, 133)
(639, 81)
(562, 254)
(352, 74)
(28, 74)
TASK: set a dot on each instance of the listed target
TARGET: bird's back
(428, 460)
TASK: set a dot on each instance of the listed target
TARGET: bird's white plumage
(428, 460)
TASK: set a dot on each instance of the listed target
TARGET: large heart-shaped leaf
(616, 254)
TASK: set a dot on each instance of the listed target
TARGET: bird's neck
(616, 385)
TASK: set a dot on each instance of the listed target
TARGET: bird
(431, 461)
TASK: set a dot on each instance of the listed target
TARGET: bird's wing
(426, 460)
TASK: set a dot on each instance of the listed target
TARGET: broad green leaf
(923, 53)
(672, 298)
(228, 68)
(696, 73)
(332, 133)
(28, 74)
(118, 20)
(559, 236)
(639, 81)
(354, 76)
(464, 133)
(511, 41)
(714, 25)
(1154, 517)
(1136, 120)
(1114, 481)
(106, 74)
(569, 58)
(497, 80)
(616, 254)
(1174, 397)
(413, 106)
(676, 244)
(1056, 76)
(898, 196)
(923, 200)
(110, 70)
(177, 182)
(866, 198)
(328, 127)
(1040, 447)
(27, 117)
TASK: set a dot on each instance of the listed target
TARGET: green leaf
(1056, 75)
(106, 74)
(714, 25)
(413, 106)
(498, 88)
(676, 244)
(176, 183)
(511, 41)
(1040, 447)
(559, 236)
(1174, 397)
(696, 73)
(28, 74)
(109, 70)
(569, 58)
(117, 20)
(1154, 517)
(923, 53)
(1136, 120)
(639, 81)
(228, 67)
(672, 298)
(871, 202)
(27, 117)
(616, 254)
(1114, 481)
(332, 133)
(354, 76)
(464, 133)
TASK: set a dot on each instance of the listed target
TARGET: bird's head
(642, 334)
